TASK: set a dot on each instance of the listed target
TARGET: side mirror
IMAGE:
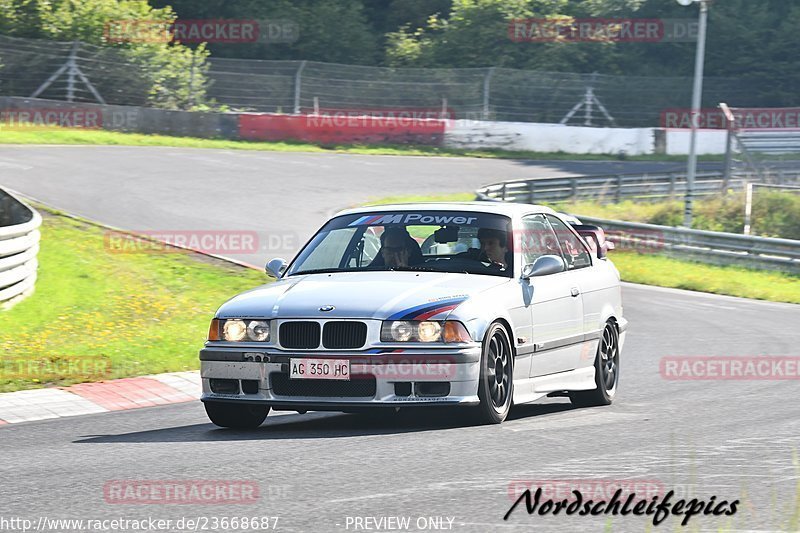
(595, 237)
(543, 266)
(276, 267)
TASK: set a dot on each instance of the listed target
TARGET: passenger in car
(494, 245)
(494, 248)
(398, 249)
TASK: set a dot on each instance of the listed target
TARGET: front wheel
(235, 415)
(606, 372)
(496, 385)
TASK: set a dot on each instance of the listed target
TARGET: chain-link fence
(30, 67)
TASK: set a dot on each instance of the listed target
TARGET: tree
(161, 72)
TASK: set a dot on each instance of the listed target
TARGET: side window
(537, 239)
(575, 253)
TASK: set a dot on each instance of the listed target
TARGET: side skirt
(532, 389)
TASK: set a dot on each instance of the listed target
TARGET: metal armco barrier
(770, 142)
(19, 244)
(615, 187)
(711, 247)
(705, 246)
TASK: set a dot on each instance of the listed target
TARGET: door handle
(574, 291)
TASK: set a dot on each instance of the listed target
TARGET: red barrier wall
(341, 129)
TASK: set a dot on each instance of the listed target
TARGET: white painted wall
(574, 139)
(708, 142)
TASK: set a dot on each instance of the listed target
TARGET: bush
(775, 213)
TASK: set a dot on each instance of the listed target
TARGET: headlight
(425, 331)
(234, 330)
(237, 330)
(429, 331)
(401, 331)
(258, 330)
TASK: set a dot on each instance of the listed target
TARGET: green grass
(663, 271)
(145, 312)
(443, 197)
(652, 269)
(102, 137)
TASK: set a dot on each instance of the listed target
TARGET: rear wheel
(234, 415)
(606, 372)
(496, 386)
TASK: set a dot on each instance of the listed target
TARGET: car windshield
(436, 241)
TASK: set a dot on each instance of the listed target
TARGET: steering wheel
(483, 258)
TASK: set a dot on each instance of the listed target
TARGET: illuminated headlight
(425, 331)
(401, 331)
(429, 331)
(258, 330)
(234, 330)
(237, 330)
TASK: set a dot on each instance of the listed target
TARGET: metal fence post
(748, 207)
(297, 81)
(618, 194)
(71, 71)
(726, 171)
(487, 80)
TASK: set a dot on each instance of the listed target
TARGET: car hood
(377, 295)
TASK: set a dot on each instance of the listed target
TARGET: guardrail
(19, 244)
(705, 246)
(712, 247)
(770, 142)
(615, 187)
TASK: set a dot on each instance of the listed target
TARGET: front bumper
(395, 378)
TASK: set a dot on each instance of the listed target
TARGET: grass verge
(658, 270)
(102, 137)
(141, 313)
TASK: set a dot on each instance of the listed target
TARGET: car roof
(501, 208)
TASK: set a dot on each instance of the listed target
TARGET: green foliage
(165, 75)
(775, 213)
(145, 312)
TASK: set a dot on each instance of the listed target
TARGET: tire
(606, 372)
(238, 416)
(495, 392)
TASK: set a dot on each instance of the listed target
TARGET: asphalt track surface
(282, 196)
(729, 439)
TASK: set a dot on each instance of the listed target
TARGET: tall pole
(697, 93)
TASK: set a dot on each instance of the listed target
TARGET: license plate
(319, 369)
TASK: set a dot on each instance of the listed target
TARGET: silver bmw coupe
(475, 305)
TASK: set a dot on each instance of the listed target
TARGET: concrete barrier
(118, 118)
(341, 129)
(578, 139)
(363, 129)
(19, 245)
